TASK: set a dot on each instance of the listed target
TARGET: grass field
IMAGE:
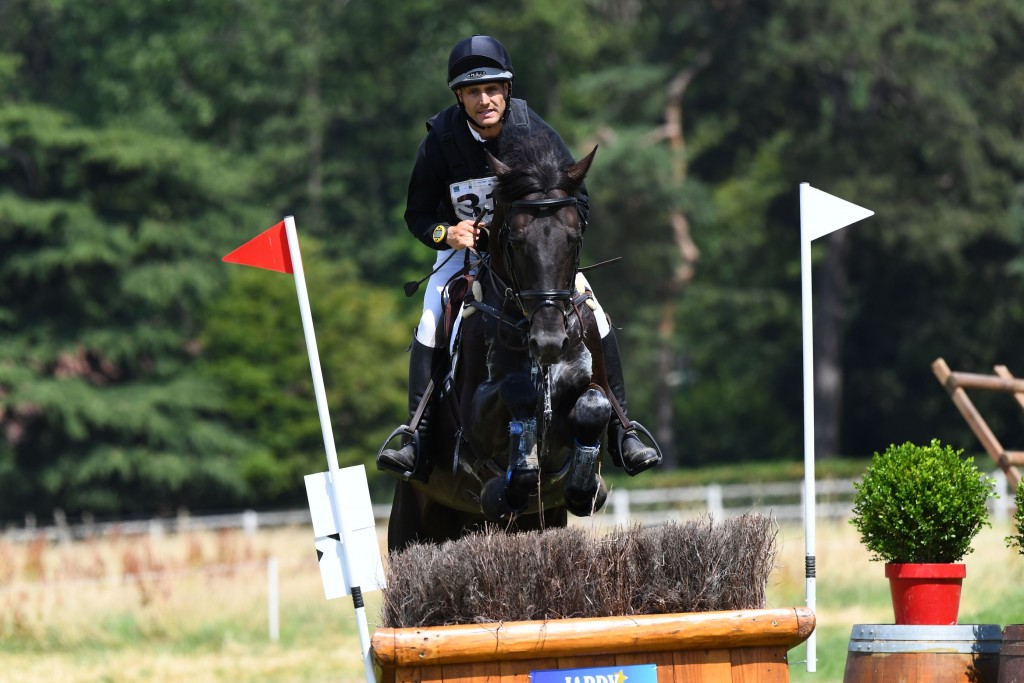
(193, 608)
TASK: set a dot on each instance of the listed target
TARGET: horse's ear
(578, 171)
(496, 166)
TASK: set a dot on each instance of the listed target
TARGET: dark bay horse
(515, 440)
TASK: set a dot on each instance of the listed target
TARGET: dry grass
(190, 608)
(142, 577)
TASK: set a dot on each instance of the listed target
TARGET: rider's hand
(463, 235)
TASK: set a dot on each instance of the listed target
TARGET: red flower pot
(925, 593)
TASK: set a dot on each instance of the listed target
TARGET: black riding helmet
(479, 59)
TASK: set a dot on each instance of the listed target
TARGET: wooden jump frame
(956, 383)
(705, 647)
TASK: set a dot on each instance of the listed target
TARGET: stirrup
(637, 429)
(414, 439)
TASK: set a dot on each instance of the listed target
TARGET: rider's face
(485, 103)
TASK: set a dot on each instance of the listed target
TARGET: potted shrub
(918, 509)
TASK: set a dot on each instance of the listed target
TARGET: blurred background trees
(141, 140)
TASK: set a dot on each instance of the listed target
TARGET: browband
(550, 203)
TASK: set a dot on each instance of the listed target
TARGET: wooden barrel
(924, 654)
(1011, 654)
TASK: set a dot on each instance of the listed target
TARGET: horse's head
(537, 246)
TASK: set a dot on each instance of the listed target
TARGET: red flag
(267, 250)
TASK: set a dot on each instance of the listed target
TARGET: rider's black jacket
(449, 153)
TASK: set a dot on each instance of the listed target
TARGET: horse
(516, 430)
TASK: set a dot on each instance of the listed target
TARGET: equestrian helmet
(478, 59)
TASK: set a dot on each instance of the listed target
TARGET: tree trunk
(685, 267)
(829, 322)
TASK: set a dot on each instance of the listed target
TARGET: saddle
(458, 287)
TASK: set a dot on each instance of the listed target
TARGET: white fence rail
(783, 500)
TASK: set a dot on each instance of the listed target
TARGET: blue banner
(638, 673)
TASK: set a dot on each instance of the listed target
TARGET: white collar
(472, 130)
(475, 134)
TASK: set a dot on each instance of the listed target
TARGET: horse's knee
(590, 415)
(519, 394)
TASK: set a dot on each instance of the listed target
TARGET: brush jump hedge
(494, 608)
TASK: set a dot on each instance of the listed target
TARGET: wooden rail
(705, 647)
(604, 635)
(956, 383)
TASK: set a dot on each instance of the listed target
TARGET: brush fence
(703, 647)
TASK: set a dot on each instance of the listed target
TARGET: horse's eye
(517, 238)
(519, 232)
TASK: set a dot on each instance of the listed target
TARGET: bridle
(530, 301)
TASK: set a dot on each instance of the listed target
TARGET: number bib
(472, 198)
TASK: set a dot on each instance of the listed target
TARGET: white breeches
(432, 296)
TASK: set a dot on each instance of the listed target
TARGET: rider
(450, 182)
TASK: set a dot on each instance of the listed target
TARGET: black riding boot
(406, 461)
(625, 447)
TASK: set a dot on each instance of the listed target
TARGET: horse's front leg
(507, 407)
(585, 491)
(519, 394)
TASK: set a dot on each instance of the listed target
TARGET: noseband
(539, 298)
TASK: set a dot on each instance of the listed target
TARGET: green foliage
(1016, 540)
(142, 139)
(921, 504)
(254, 348)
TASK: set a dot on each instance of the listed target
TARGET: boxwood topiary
(921, 504)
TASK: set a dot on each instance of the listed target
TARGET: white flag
(822, 213)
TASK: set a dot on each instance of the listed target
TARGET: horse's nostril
(548, 348)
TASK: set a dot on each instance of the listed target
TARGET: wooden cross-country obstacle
(956, 384)
(674, 603)
(703, 647)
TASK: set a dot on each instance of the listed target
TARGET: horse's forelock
(536, 167)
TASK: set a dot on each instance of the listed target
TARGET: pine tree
(111, 241)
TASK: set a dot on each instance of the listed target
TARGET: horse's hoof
(518, 486)
(584, 503)
(493, 502)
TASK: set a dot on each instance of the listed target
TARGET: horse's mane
(536, 167)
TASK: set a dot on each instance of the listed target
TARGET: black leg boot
(410, 459)
(624, 445)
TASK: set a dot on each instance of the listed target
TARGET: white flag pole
(820, 214)
(328, 434)
(810, 512)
